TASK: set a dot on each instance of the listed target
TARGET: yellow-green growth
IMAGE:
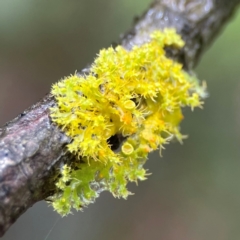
(137, 94)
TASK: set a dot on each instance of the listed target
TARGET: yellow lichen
(137, 94)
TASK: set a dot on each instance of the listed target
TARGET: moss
(138, 94)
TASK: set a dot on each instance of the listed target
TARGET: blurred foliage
(193, 192)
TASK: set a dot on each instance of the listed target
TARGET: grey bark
(32, 148)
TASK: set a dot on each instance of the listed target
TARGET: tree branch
(32, 147)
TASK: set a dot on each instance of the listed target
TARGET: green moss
(138, 94)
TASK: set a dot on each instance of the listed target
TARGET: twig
(32, 147)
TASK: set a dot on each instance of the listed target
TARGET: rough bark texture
(32, 147)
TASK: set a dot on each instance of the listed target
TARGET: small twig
(32, 147)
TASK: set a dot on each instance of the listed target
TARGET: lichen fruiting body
(137, 94)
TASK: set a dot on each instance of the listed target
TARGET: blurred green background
(193, 192)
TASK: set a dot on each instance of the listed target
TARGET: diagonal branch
(32, 147)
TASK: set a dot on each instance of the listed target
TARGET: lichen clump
(137, 94)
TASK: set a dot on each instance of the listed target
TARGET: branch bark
(32, 147)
